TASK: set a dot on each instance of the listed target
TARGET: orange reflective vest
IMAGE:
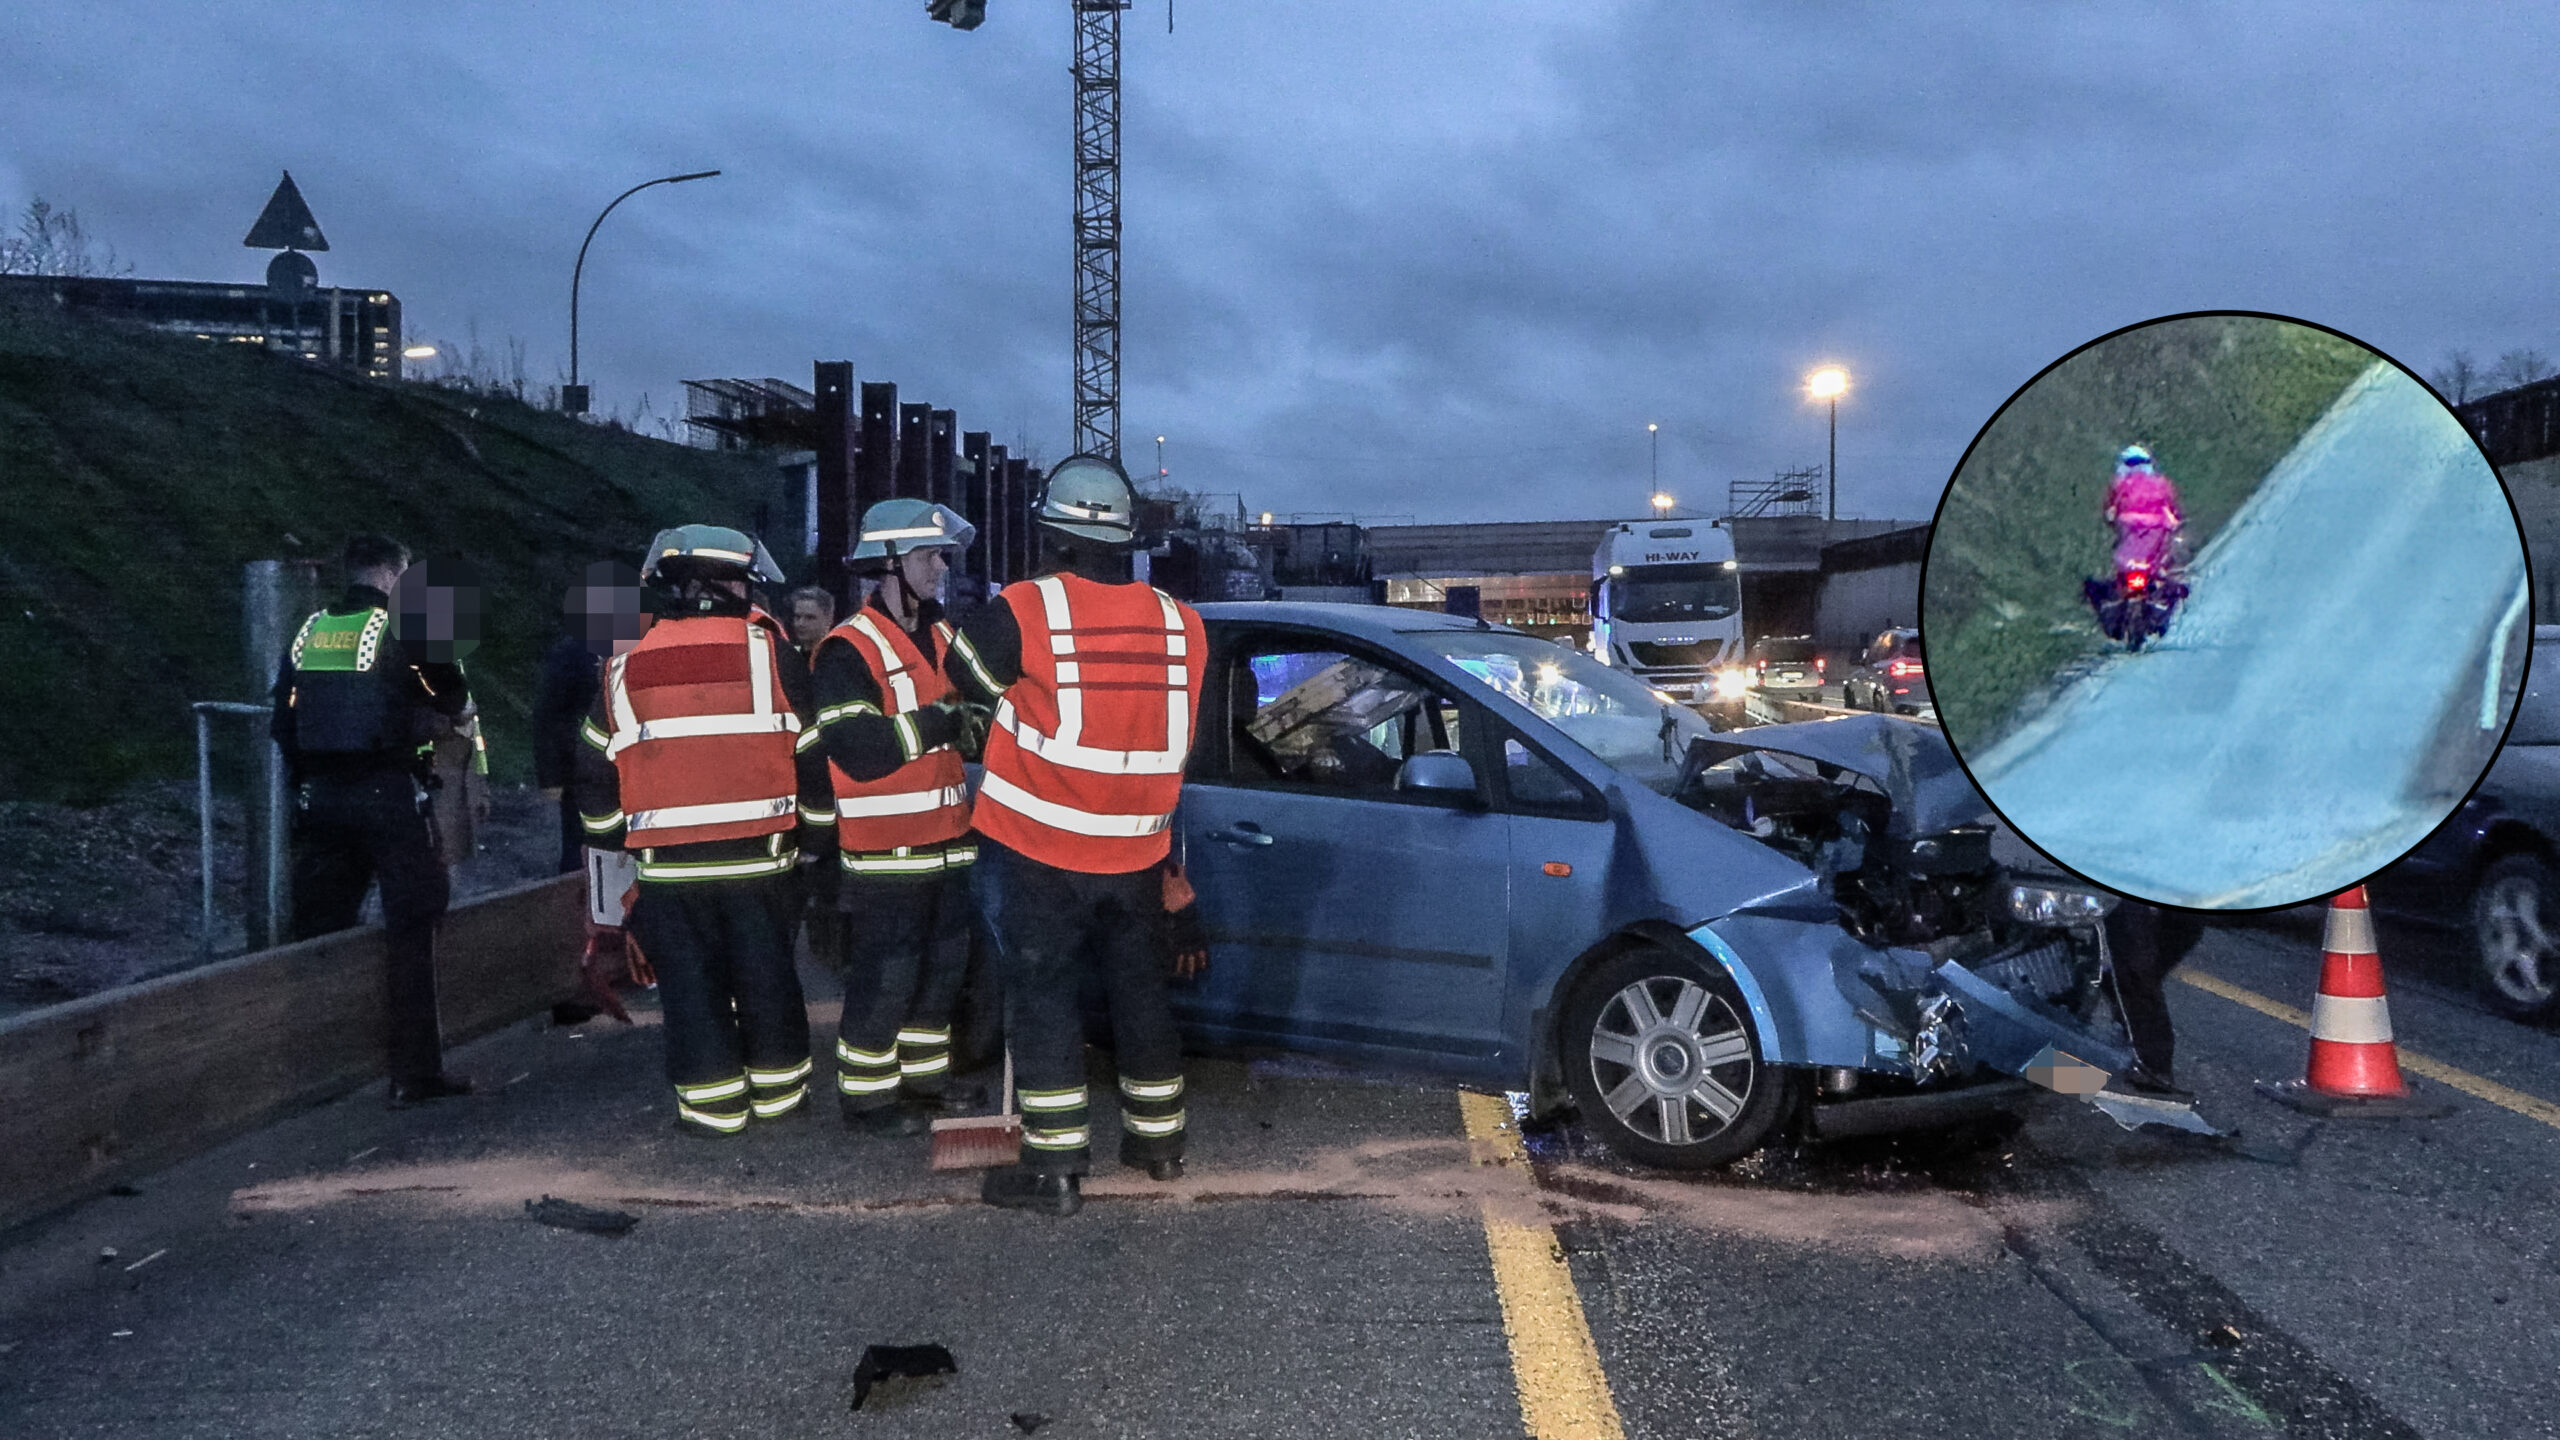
(1084, 763)
(703, 735)
(926, 800)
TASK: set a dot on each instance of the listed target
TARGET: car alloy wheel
(2517, 924)
(1664, 1066)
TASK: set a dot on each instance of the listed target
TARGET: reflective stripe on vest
(1084, 765)
(703, 736)
(926, 800)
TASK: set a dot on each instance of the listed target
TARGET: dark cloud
(1438, 260)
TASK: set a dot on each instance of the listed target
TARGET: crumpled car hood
(1909, 759)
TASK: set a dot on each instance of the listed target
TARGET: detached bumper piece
(1928, 1109)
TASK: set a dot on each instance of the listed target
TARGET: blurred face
(923, 571)
(809, 621)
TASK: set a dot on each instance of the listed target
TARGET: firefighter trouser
(1049, 926)
(906, 950)
(348, 833)
(737, 1026)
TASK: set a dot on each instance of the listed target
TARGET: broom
(981, 1142)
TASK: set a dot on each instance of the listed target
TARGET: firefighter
(357, 716)
(1095, 684)
(894, 737)
(700, 757)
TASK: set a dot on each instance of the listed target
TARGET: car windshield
(1669, 594)
(2538, 713)
(1622, 721)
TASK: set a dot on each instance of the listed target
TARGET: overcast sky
(1443, 260)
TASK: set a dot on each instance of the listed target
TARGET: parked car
(1446, 847)
(1890, 676)
(2494, 867)
(1786, 667)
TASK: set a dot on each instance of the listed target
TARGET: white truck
(1666, 605)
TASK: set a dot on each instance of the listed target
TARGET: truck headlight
(1732, 684)
(2059, 905)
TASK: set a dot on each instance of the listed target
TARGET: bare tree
(2519, 368)
(54, 242)
(2458, 378)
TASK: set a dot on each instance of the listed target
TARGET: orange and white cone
(2354, 1067)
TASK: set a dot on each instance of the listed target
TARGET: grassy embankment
(138, 472)
(2219, 400)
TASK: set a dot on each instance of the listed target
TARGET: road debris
(145, 1260)
(2135, 1111)
(570, 1215)
(895, 1374)
(1027, 1421)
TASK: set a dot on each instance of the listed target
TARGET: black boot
(894, 1118)
(1159, 1167)
(1014, 1188)
(405, 1093)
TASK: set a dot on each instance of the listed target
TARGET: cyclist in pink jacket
(2143, 506)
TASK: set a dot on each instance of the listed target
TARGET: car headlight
(1732, 684)
(2059, 905)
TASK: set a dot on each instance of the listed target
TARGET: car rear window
(1781, 651)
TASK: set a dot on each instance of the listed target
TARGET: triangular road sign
(286, 223)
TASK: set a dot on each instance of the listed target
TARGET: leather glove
(968, 724)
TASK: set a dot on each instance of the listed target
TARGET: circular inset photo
(2225, 611)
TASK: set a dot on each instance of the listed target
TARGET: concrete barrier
(107, 1087)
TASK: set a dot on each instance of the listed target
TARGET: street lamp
(573, 396)
(419, 352)
(1161, 472)
(1829, 383)
(1661, 505)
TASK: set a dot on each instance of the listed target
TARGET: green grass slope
(2219, 399)
(139, 472)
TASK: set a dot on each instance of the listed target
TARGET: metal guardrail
(278, 897)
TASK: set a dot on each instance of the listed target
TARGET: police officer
(894, 737)
(357, 715)
(699, 755)
(1095, 684)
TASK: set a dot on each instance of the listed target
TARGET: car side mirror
(1442, 774)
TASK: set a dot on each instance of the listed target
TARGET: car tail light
(1819, 664)
(1901, 669)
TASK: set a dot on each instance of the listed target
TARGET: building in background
(359, 329)
(2520, 430)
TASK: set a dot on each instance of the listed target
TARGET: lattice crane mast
(1097, 214)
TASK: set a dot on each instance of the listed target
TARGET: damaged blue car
(1432, 845)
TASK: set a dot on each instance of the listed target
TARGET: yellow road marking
(1563, 1393)
(2532, 1107)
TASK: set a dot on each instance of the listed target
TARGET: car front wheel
(2515, 917)
(1662, 1061)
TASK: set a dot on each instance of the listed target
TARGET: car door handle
(1245, 833)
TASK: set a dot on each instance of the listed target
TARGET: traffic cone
(2354, 1067)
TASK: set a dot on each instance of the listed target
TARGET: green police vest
(348, 696)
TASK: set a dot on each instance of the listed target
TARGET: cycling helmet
(2134, 457)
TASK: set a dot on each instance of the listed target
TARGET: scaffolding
(765, 414)
(1789, 492)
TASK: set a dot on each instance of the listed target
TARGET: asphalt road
(357, 1272)
(2275, 744)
